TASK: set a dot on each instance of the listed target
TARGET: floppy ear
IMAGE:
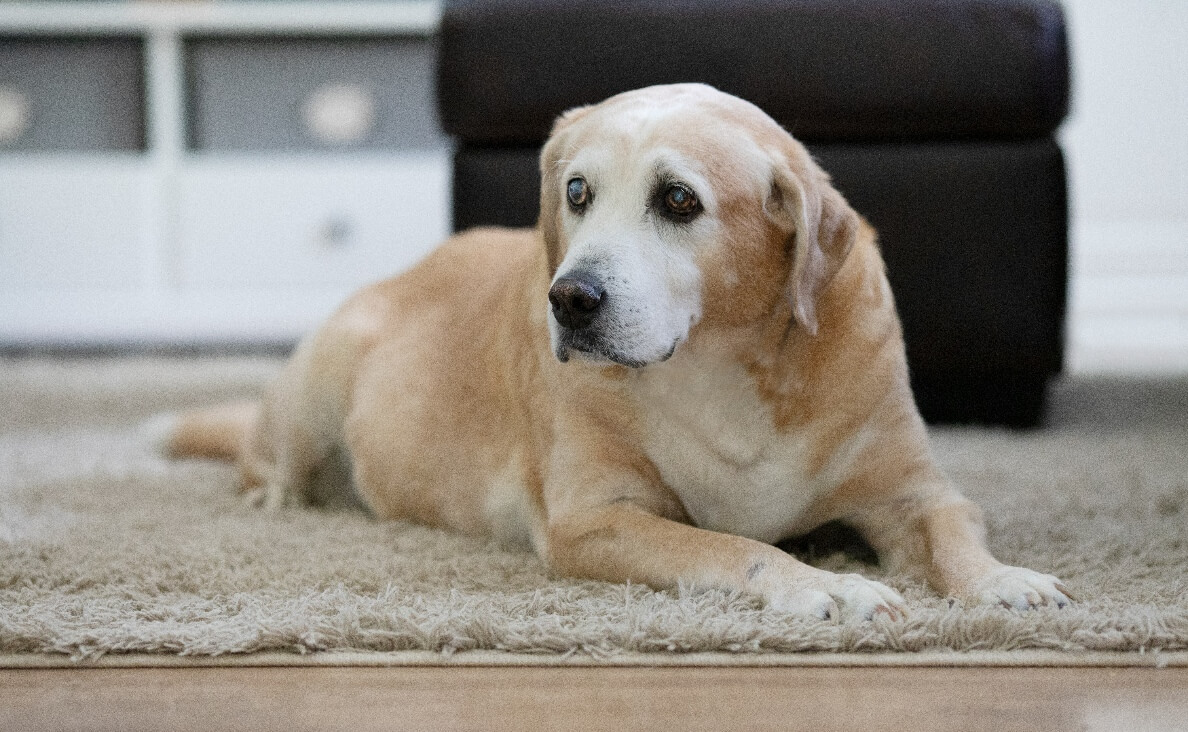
(823, 228)
(550, 187)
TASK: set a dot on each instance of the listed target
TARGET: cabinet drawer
(318, 222)
(71, 226)
(271, 94)
(71, 94)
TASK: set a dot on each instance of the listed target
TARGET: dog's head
(675, 207)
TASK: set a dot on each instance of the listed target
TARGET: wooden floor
(357, 699)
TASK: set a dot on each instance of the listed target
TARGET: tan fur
(785, 405)
(217, 432)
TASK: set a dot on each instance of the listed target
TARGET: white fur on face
(645, 261)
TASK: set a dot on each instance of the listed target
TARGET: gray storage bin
(71, 93)
(296, 93)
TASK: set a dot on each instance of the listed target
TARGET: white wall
(1127, 147)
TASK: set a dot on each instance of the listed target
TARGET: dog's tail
(218, 432)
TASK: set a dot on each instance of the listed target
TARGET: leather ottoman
(936, 119)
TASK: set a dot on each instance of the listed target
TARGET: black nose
(576, 300)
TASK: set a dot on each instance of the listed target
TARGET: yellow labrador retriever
(695, 354)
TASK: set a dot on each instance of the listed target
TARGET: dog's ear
(550, 187)
(823, 229)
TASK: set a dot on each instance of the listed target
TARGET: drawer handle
(339, 114)
(14, 114)
(336, 232)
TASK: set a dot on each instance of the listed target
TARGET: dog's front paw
(840, 597)
(1020, 589)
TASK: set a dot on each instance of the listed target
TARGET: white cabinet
(166, 174)
(314, 222)
(67, 224)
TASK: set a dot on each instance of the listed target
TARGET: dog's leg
(299, 424)
(301, 420)
(279, 456)
(937, 534)
(621, 542)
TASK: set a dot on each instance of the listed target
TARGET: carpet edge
(990, 659)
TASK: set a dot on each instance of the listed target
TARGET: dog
(694, 355)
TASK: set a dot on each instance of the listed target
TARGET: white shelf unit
(173, 244)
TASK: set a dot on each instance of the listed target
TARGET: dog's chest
(715, 444)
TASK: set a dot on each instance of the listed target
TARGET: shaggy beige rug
(107, 549)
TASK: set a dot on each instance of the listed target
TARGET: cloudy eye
(680, 201)
(578, 193)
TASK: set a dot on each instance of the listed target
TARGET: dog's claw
(841, 598)
(1016, 588)
(1064, 591)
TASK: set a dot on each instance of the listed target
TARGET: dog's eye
(578, 192)
(680, 201)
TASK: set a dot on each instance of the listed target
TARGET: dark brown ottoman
(936, 119)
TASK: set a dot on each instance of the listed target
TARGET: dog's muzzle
(576, 300)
